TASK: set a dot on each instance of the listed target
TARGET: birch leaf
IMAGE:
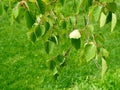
(104, 67)
(114, 21)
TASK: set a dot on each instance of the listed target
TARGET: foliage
(54, 23)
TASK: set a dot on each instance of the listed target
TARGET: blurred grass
(23, 65)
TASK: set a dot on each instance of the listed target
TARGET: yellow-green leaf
(104, 67)
(90, 51)
(105, 53)
(102, 19)
(16, 10)
(114, 21)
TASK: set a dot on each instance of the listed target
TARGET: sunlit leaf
(102, 19)
(97, 12)
(114, 21)
(55, 71)
(75, 34)
(105, 53)
(91, 28)
(104, 67)
(90, 51)
(16, 10)
(72, 20)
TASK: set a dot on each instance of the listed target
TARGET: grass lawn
(23, 65)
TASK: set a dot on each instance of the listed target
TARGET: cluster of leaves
(52, 20)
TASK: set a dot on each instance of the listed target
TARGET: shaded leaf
(29, 19)
(54, 39)
(60, 59)
(42, 6)
(86, 4)
(112, 6)
(32, 36)
(109, 17)
(49, 47)
(62, 2)
(38, 31)
(51, 64)
(76, 43)
(63, 24)
(47, 26)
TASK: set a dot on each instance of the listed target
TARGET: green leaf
(114, 21)
(47, 26)
(16, 10)
(60, 59)
(109, 17)
(29, 19)
(102, 19)
(86, 4)
(105, 53)
(49, 47)
(55, 71)
(76, 43)
(112, 7)
(42, 6)
(39, 30)
(1, 8)
(91, 28)
(90, 51)
(97, 12)
(63, 24)
(62, 2)
(54, 39)
(72, 20)
(104, 67)
(32, 36)
(51, 64)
